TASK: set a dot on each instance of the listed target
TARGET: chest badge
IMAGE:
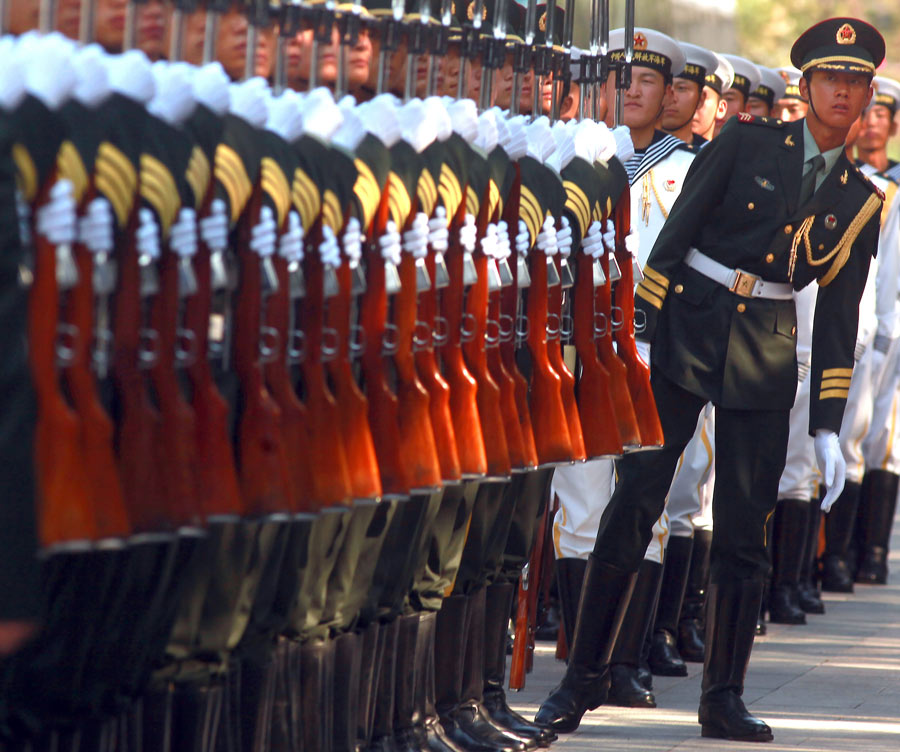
(830, 222)
(669, 185)
(765, 183)
(844, 178)
(789, 141)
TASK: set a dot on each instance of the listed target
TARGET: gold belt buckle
(744, 284)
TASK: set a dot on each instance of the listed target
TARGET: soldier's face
(153, 19)
(711, 105)
(877, 127)
(837, 98)
(643, 102)
(231, 46)
(109, 24)
(448, 72)
(194, 33)
(503, 86)
(758, 107)
(735, 102)
(360, 60)
(790, 109)
(300, 60)
(681, 105)
(22, 16)
(68, 17)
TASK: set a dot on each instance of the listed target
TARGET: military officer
(791, 106)
(718, 296)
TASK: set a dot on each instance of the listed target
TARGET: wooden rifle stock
(551, 429)
(638, 371)
(362, 462)
(566, 378)
(463, 389)
(262, 463)
(595, 404)
(65, 508)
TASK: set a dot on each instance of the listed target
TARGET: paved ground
(833, 684)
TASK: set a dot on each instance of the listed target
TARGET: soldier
(714, 105)
(746, 79)
(771, 88)
(689, 94)
(791, 106)
(726, 334)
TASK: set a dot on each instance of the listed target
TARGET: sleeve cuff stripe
(834, 394)
(656, 277)
(653, 287)
(835, 383)
(652, 299)
(837, 372)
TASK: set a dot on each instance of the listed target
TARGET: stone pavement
(833, 684)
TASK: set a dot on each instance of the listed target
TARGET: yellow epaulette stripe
(577, 202)
(427, 193)
(656, 277)
(650, 297)
(834, 394)
(306, 196)
(367, 191)
(473, 201)
(70, 166)
(530, 211)
(275, 185)
(26, 172)
(493, 197)
(116, 180)
(159, 189)
(197, 175)
(332, 215)
(230, 172)
(829, 373)
(399, 200)
(450, 190)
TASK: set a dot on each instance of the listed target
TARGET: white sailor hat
(791, 77)
(887, 93)
(723, 77)
(699, 63)
(652, 49)
(771, 86)
(746, 74)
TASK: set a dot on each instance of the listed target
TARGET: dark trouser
(750, 455)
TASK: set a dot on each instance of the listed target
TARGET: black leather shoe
(784, 607)
(664, 657)
(874, 520)
(809, 599)
(836, 575)
(579, 692)
(502, 715)
(626, 690)
(873, 569)
(725, 717)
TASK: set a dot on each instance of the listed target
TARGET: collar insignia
(789, 141)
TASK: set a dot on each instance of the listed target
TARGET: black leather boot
(664, 658)
(316, 671)
(604, 599)
(258, 675)
(195, 715)
(809, 597)
(383, 712)
(625, 687)
(839, 523)
(875, 519)
(730, 622)
(789, 546)
(470, 714)
(569, 576)
(449, 653)
(496, 624)
(370, 662)
(690, 623)
(407, 676)
(347, 661)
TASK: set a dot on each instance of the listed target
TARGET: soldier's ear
(722, 108)
(804, 88)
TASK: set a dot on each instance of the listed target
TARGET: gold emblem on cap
(846, 34)
(470, 11)
(640, 41)
(542, 21)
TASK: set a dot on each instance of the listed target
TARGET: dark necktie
(808, 183)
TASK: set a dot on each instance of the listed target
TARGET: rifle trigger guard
(357, 340)
(269, 339)
(467, 327)
(329, 351)
(440, 334)
(523, 328)
(507, 334)
(297, 347)
(185, 347)
(600, 331)
(66, 344)
(553, 329)
(617, 323)
(422, 336)
(639, 327)
(491, 339)
(389, 343)
(566, 327)
(148, 349)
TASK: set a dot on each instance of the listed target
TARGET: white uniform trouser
(800, 477)
(881, 447)
(689, 503)
(857, 417)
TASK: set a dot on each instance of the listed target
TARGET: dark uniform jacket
(739, 206)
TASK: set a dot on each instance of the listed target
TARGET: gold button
(751, 206)
(778, 121)
(821, 246)
(793, 330)
(679, 289)
(770, 257)
(788, 229)
(741, 308)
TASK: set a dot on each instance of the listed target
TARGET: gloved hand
(56, 219)
(489, 241)
(609, 236)
(632, 242)
(564, 238)
(802, 372)
(415, 239)
(95, 228)
(523, 239)
(468, 234)
(329, 250)
(183, 235)
(264, 234)
(353, 239)
(832, 465)
(214, 228)
(389, 242)
(503, 250)
(859, 350)
(593, 240)
(546, 239)
(147, 234)
(290, 244)
(438, 234)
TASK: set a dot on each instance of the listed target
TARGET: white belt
(739, 282)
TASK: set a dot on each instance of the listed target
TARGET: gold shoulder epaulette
(868, 183)
(746, 117)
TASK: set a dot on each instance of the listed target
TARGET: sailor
(713, 106)
(689, 94)
(746, 79)
(791, 106)
(771, 88)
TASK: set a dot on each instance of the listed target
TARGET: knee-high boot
(347, 662)
(810, 598)
(690, 623)
(604, 599)
(407, 675)
(875, 519)
(625, 687)
(383, 709)
(664, 658)
(569, 576)
(839, 523)
(730, 624)
(317, 675)
(788, 540)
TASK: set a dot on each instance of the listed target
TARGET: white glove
(56, 219)
(643, 349)
(592, 243)
(147, 234)
(564, 238)
(632, 242)
(264, 234)
(859, 350)
(389, 243)
(353, 240)
(802, 372)
(503, 250)
(468, 234)
(329, 250)
(183, 235)
(290, 244)
(95, 228)
(438, 234)
(415, 239)
(523, 239)
(546, 239)
(489, 241)
(831, 464)
(609, 236)
(214, 228)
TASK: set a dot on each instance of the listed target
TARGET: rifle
(651, 434)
